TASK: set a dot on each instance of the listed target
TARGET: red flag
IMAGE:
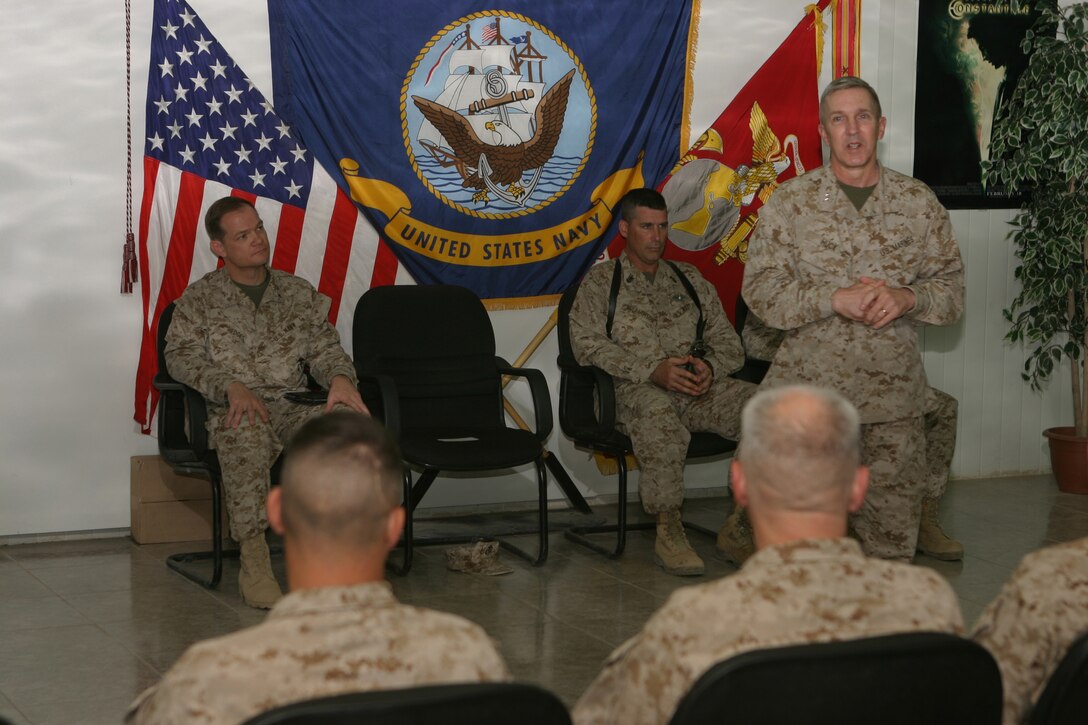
(211, 134)
(768, 134)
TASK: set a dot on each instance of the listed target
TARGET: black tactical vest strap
(614, 293)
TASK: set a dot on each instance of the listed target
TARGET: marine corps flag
(768, 134)
(487, 143)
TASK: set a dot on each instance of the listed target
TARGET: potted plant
(1039, 147)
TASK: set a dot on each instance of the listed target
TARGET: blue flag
(488, 146)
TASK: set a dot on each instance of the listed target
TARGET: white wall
(70, 340)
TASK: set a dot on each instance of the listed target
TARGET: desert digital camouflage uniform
(1041, 609)
(216, 337)
(318, 642)
(811, 241)
(939, 420)
(939, 415)
(813, 590)
(653, 321)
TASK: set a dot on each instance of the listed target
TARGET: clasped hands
(671, 375)
(872, 302)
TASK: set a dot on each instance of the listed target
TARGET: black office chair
(497, 703)
(587, 415)
(183, 445)
(908, 679)
(1065, 697)
(425, 355)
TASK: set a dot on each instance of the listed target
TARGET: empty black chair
(498, 703)
(587, 415)
(1065, 697)
(898, 679)
(426, 361)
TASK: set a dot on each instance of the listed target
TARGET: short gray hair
(801, 444)
(842, 84)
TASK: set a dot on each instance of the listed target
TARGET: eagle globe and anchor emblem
(708, 200)
(485, 129)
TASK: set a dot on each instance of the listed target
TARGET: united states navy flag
(489, 145)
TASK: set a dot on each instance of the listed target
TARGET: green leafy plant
(1039, 147)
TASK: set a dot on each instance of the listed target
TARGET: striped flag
(210, 134)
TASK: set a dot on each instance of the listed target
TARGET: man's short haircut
(843, 83)
(800, 447)
(218, 210)
(341, 478)
(640, 197)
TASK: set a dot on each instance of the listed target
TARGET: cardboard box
(167, 507)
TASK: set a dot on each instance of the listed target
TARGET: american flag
(211, 134)
(490, 31)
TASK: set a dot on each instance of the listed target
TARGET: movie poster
(969, 61)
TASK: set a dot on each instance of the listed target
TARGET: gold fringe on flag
(818, 28)
(521, 303)
(689, 78)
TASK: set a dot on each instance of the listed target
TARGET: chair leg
(577, 534)
(406, 538)
(178, 562)
(542, 521)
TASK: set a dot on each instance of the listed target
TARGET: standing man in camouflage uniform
(244, 335)
(1041, 609)
(798, 473)
(667, 384)
(848, 260)
(939, 422)
(340, 629)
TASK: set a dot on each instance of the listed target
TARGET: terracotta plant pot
(1069, 459)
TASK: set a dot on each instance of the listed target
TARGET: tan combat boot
(735, 540)
(932, 540)
(256, 580)
(672, 552)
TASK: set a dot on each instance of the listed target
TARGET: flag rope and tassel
(129, 269)
(846, 51)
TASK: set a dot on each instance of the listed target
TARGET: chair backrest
(497, 703)
(175, 445)
(437, 344)
(566, 352)
(1065, 697)
(918, 677)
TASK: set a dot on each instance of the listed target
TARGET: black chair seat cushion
(469, 449)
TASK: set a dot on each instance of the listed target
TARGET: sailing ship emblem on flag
(498, 115)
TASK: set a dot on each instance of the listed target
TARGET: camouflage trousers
(941, 411)
(887, 523)
(659, 425)
(246, 454)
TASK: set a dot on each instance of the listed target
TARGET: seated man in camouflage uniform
(668, 382)
(798, 472)
(1041, 609)
(939, 420)
(244, 335)
(340, 629)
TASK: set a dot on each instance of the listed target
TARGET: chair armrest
(542, 400)
(587, 401)
(195, 415)
(389, 411)
(753, 370)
